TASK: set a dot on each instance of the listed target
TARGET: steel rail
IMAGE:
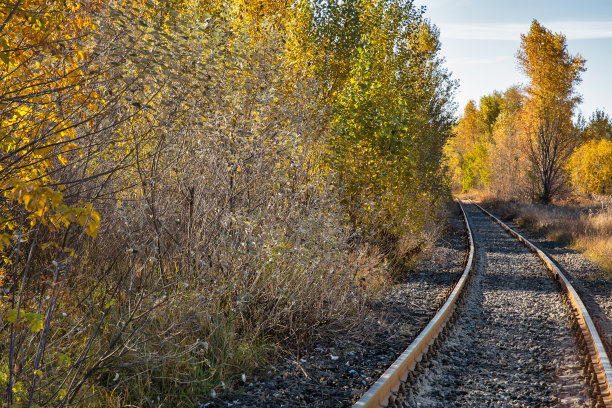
(380, 393)
(602, 370)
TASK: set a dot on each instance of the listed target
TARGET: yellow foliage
(590, 167)
(43, 53)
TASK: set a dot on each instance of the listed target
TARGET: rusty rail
(379, 394)
(601, 375)
(600, 369)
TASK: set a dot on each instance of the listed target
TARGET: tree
(470, 142)
(598, 127)
(490, 108)
(475, 170)
(553, 74)
(469, 128)
(590, 167)
(506, 162)
(391, 112)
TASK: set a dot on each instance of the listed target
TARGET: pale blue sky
(480, 39)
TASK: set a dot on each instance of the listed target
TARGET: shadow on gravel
(434, 278)
(507, 248)
(536, 284)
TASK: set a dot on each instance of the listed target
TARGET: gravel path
(594, 286)
(335, 372)
(511, 345)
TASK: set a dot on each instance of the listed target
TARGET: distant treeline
(524, 142)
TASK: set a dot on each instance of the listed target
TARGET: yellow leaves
(35, 320)
(62, 159)
(41, 48)
(5, 242)
(80, 57)
(44, 151)
(22, 111)
(36, 30)
(35, 198)
(552, 71)
(85, 216)
(590, 167)
(4, 52)
(92, 222)
(46, 205)
(47, 245)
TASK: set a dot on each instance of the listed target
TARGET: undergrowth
(226, 188)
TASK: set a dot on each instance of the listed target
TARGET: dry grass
(580, 223)
(222, 243)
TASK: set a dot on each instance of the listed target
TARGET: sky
(480, 39)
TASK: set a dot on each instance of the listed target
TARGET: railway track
(512, 342)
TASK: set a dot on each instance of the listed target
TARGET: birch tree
(551, 98)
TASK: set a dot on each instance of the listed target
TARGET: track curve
(389, 383)
(512, 346)
(601, 376)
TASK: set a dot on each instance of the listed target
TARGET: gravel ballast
(512, 345)
(593, 285)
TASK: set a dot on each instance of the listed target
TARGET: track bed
(512, 344)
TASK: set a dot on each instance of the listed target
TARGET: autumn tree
(507, 161)
(469, 144)
(486, 150)
(49, 111)
(553, 74)
(590, 166)
(469, 128)
(391, 104)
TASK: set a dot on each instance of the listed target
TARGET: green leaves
(35, 320)
(387, 142)
(63, 359)
(12, 315)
